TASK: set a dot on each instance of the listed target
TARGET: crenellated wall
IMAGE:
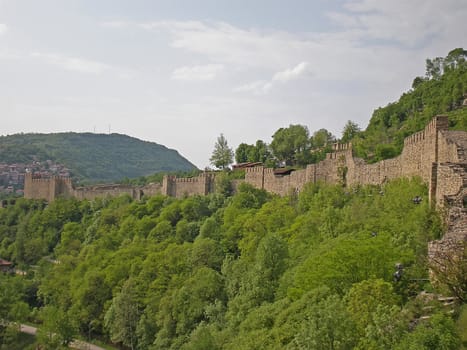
(436, 155)
(421, 153)
(424, 155)
(48, 188)
(54, 187)
(182, 187)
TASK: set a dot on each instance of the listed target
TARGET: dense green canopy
(252, 271)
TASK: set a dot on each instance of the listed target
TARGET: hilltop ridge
(94, 157)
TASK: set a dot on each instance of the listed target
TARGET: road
(77, 344)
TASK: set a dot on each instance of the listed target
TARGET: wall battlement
(336, 147)
(436, 155)
(414, 138)
(421, 155)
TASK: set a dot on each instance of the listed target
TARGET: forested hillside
(94, 157)
(252, 271)
(441, 91)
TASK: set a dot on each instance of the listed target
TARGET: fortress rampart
(430, 154)
(54, 187)
(436, 155)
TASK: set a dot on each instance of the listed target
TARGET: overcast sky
(180, 73)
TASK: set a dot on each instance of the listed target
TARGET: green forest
(330, 267)
(314, 270)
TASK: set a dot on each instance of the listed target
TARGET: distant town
(12, 175)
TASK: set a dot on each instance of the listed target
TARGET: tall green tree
(222, 155)
(350, 130)
(259, 152)
(123, 316)
(292, 145)
(326, 326)
(322, 138)
(242, 153)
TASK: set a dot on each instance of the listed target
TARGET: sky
(181, 72)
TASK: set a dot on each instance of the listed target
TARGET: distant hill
(441, 91)
(94, 157)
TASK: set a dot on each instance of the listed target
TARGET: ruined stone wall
(421, 150)
(152, 189)
(421, 156)
(181, 187)
(47, 188)
(94, 192)
(255, 176)
(36, 188)
(451, 196)
(284, 184)
(451, 184)
(452, 147)
(62, 187)
(326, 170)
(54, 187)
(424, 150)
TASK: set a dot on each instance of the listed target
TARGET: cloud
(262, 87)
(339, 55)
(3, 28)
(72, 63)
(225, 43)
(300, 70)
(407, 23)
(195, 73)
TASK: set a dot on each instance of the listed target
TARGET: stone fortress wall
(423, 154)
(435, 154)
(55, 187)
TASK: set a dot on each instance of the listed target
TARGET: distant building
(6, 266)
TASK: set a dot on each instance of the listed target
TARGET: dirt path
(77, 344)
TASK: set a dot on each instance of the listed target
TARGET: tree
(291, 144)
(242, 153)
(222, 155)
(58, 328)
(438, 333)
(455, 58)
(259, 152)
(123, 316)
(322, 138)
(327, 326)
(434, 68)
(364, 298)
(350, 130)
(417, 82)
